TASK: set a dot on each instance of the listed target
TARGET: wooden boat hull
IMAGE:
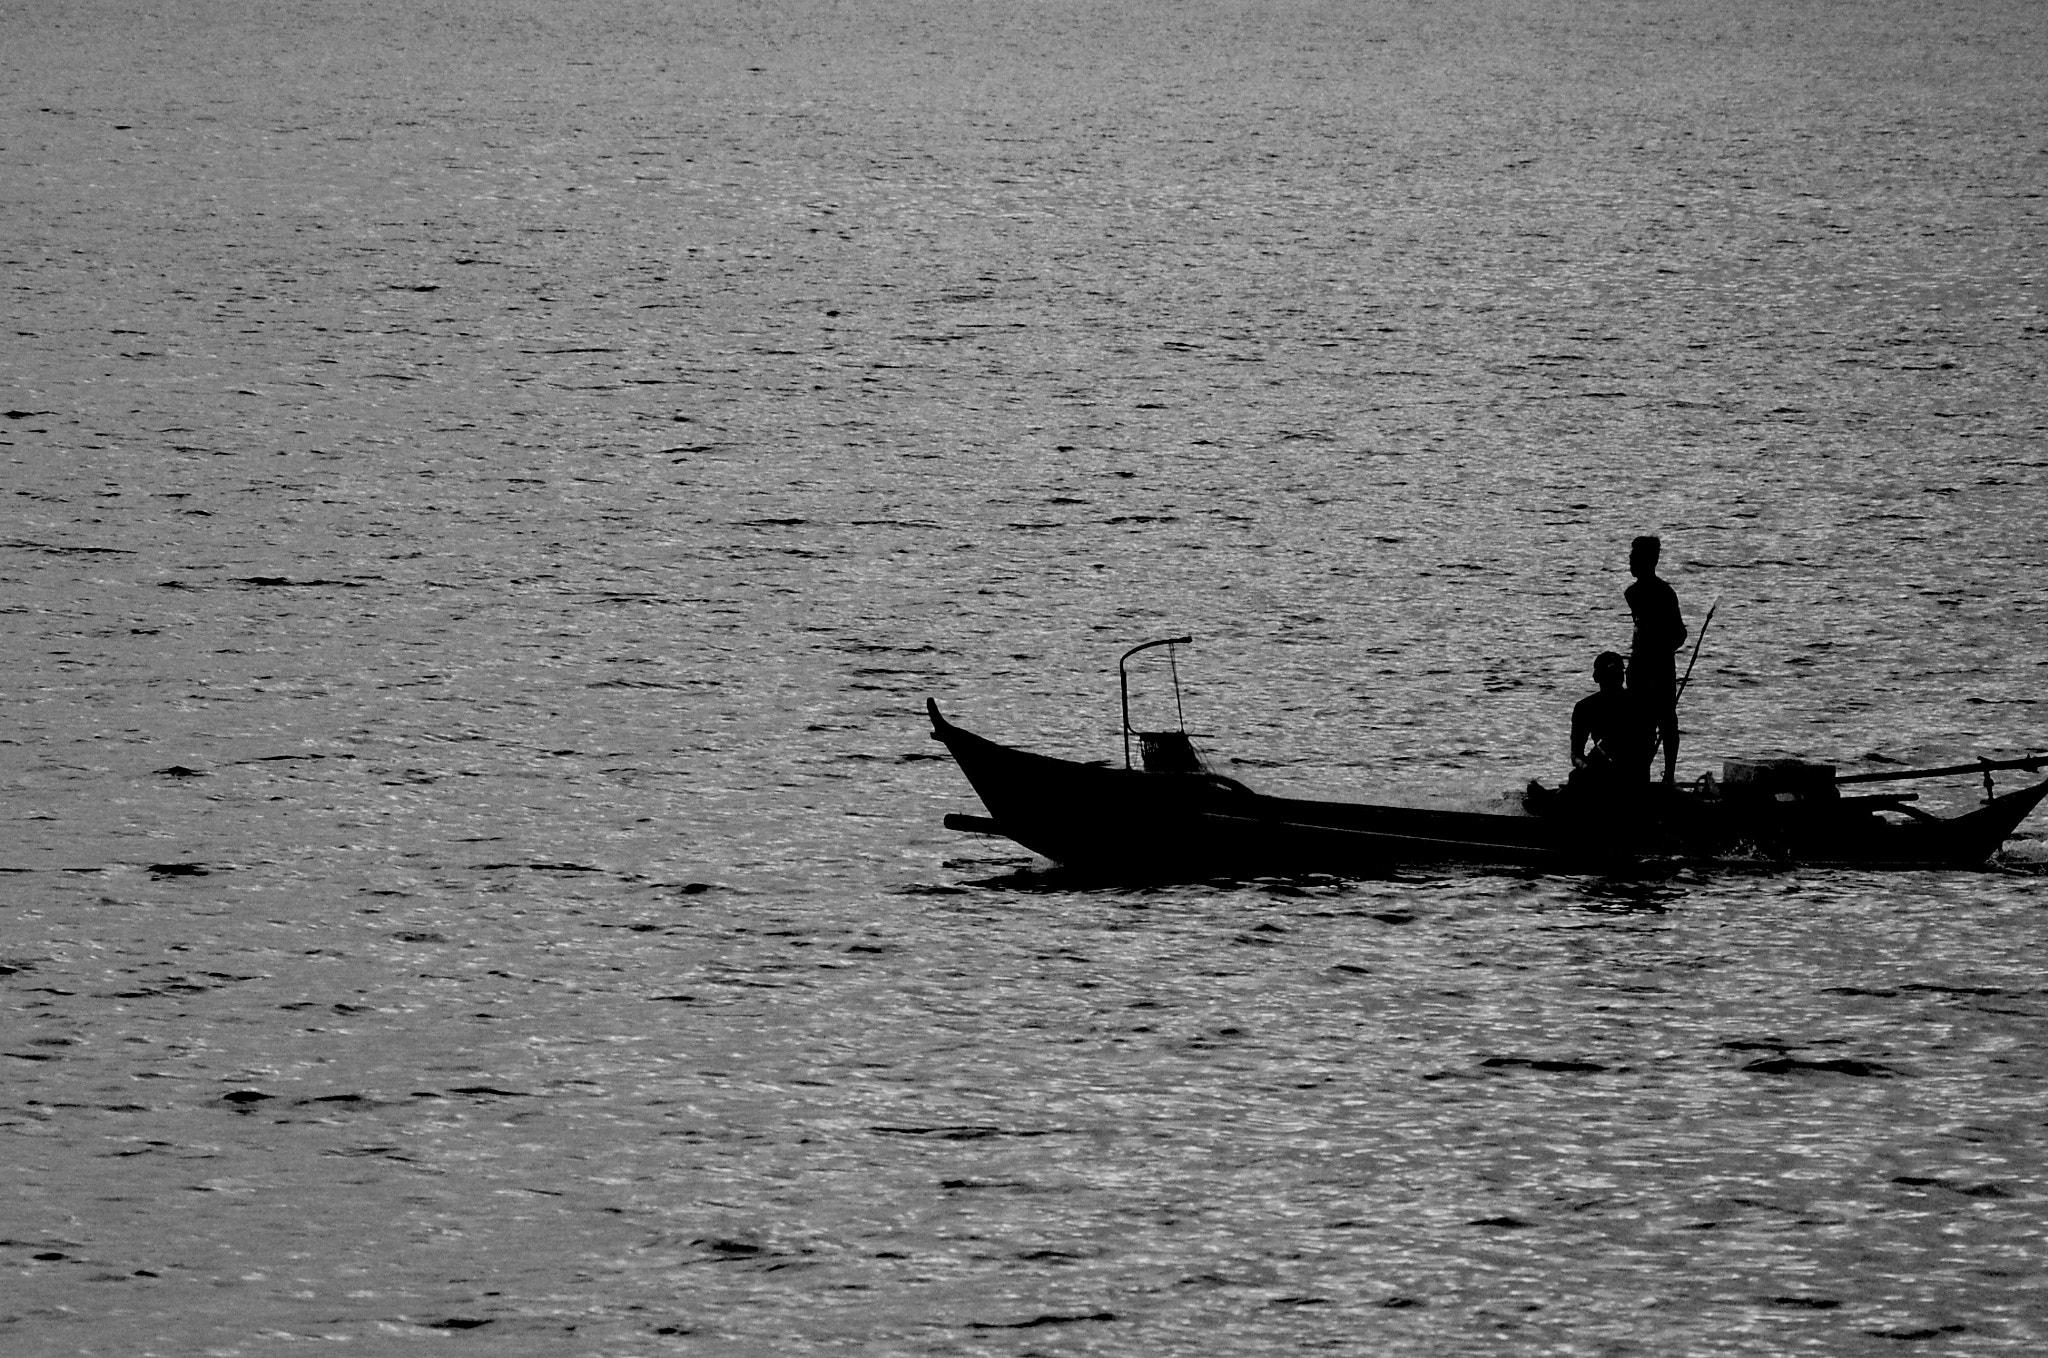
(1125, 822)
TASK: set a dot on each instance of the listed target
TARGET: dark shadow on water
(1651, 887)
(1649, 884)
(1626, 895)
(1053, 880)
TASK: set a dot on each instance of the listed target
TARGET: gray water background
(490, 487)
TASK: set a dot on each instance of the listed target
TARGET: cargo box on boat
(1789, 780)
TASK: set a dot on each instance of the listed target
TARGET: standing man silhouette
(1652, 658)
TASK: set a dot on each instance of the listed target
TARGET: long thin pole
(2030, 763)
(1705, 623)
(1657, 743)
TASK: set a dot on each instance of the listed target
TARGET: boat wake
(2025, 855)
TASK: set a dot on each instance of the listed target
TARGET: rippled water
(492, 486)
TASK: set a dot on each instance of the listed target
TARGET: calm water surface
(491, 487)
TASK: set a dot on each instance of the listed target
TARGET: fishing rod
(1705, 623)
(1657, 743)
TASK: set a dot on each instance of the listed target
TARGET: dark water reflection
(492, 490)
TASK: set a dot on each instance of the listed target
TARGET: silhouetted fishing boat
(1174, 817)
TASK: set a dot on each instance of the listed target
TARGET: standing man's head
(1642, 556)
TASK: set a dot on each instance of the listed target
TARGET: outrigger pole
(2030, 763)
(1123, 683)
